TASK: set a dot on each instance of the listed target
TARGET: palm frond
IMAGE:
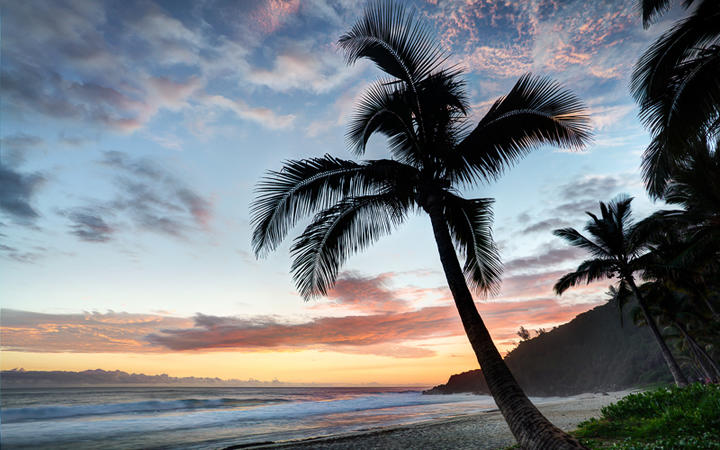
(655, 68)
(391, 37)
(613, 227)
(305, 186)
(652, 9)
(621, 295)
(470, 224)
(536, 111)
(576, 239)
(387, 109)
(339, 231)
(657, 165)
(587, 272)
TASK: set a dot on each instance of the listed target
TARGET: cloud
(370, 330)
(365, 294)
(548, 257)
(13, 148)
(604, 117)
(545, 225)
(89, 332)
(153, 198)
(263, 116)
(82, 63)
(17, 255)
(504, 62)
(89, 226)
(149, 197)
(388, 324)
(598, 187)
(17, 191)
(271, 15)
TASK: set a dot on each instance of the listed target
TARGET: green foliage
(665, 418)
(596, 351)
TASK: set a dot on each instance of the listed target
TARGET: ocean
(201, 417)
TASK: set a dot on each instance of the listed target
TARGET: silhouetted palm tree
(617, 247)
(677, 85)
(687, 246)
(675, 308)
(651, 9)
(422, 110)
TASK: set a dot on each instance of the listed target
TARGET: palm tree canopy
(652, 9)
(615, 243)
(676, 85)
(422, 109)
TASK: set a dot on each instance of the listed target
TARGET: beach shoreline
(486, 430)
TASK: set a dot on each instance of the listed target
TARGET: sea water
(201, 417)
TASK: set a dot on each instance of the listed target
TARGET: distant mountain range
(17, 378)
(591, 353)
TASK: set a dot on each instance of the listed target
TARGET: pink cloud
(387, 325)
(271, 14)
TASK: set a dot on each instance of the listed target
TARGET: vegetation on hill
(593, 352)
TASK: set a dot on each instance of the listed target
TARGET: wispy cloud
(17, 192)
(149, 197)
(388, 323)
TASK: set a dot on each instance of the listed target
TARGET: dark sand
(479, 431)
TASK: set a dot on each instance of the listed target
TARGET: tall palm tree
(422, 109)
(617, 247)
(687, 247)
(673, 307)
(676, 84)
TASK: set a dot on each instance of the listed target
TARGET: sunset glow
(133, 136)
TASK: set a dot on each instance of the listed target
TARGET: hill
(593, 352)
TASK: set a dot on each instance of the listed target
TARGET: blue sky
(133, 134)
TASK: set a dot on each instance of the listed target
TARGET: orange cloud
(380, 320)
(271, 14)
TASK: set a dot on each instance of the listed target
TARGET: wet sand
(487, 430)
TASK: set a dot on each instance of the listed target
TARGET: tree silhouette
(677, 86)
(422, 108)
(617, 248)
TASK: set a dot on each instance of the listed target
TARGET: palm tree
(687, 247)
(422, 109)
(652, 9)
(675, 308)
(617, 248)
(676, 84)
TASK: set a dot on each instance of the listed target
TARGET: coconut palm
(676, 308)
(422, 108)
(686, 250)
(617, 246)
(676, 84)
(652, 9)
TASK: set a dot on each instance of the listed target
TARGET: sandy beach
(478, 431)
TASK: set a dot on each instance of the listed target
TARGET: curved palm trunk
(702, 355)
(531, 429)
(677, 374)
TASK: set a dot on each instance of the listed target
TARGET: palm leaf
(470, 224)
(387, 109)
(305, 186)
(391, 37)
(339, 231)
(576, 239)
(651, 9)
(587, 272)
(537, 111)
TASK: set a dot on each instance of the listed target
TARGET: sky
(133, 134)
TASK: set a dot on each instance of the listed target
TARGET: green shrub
(665, 418)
